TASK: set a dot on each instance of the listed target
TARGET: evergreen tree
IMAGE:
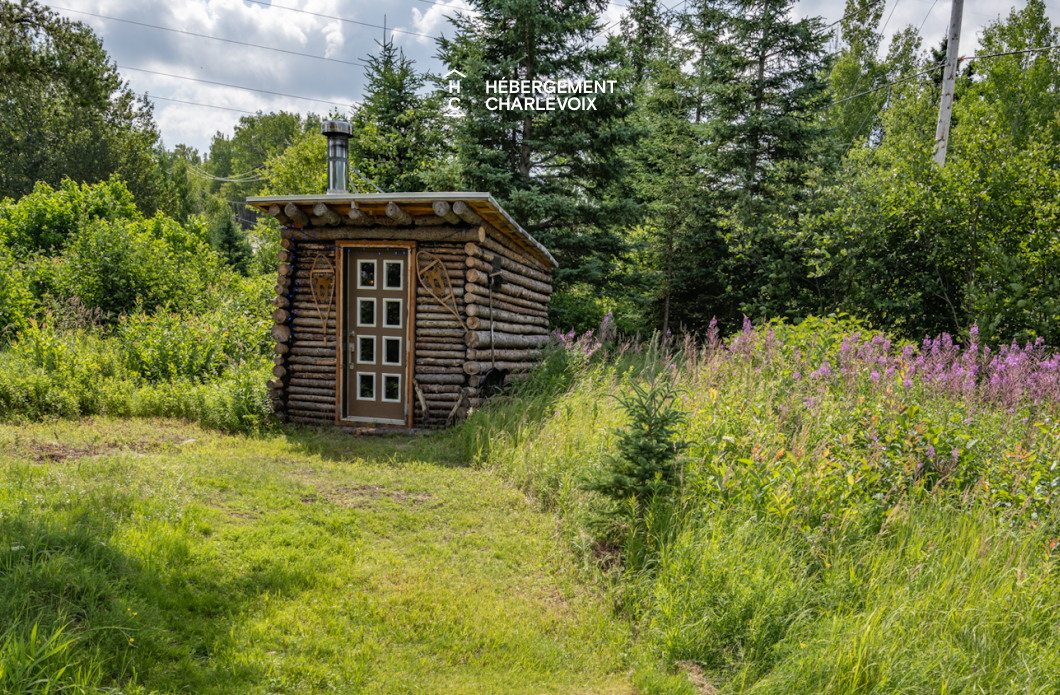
(398, 133)
(230, 241)
(760, 74)
(555, 171)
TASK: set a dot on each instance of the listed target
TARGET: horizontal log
(437, 324)
(316, 383)
(442, 397)
(503, 354)
(501, 243)
(441, 378)
(355, 232)
(444, 210)
(274, 384)
(280, 315)
(464, 212)
(312, 371)
(296, 216)
(433, 316)
(306, 321)
(281, 302)
(323, 215)
(454, 354)
(279, 372)
(305, 404)
(509, 276)
(303, 420)
(422, 292)
(295, 401)
(358, 217)
(284, 243)
(440, 361)
(427, 220)
(423, 369)
(483, 301)
(481, 293)
(316, 352)
(479, 324)
(515, 266)
(441, 388)
(310, 391)
(481, 278)
(483, 311)
(481, 339)
(304, 359)
(440, 332)
(483, 367)
(426, 340)
(281, 334)
(280, 348)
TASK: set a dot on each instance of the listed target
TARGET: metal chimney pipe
(338, 134)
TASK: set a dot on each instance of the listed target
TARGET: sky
(156, 61)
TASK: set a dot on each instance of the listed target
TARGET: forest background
(744, 167)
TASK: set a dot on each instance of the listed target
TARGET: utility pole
(949, 83)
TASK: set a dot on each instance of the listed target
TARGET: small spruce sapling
(649, 460)
(230, 241)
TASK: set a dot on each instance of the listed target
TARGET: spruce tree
(398, 133)
(557, 172)
(230, 241)
(760, 74)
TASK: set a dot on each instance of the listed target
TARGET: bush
(47, 219)
(126, 266)
(16, 301)
(195, 346)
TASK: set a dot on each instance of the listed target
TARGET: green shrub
(16, 301)
(126, 266)
(648, 464)
(194, 346)
(47, 219)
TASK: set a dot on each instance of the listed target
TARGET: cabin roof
(416, 204)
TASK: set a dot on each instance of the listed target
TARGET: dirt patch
(695, 674)
(55, 453)
(358, 496)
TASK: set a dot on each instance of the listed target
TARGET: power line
(235, 86)
(195, 103)
(340, 19)
(213, 38)
(864, 9)
(939, 65)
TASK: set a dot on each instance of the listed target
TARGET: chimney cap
(336, 128)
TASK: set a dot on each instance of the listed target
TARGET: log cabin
(399, 309)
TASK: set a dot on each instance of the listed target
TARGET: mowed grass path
(183, 560)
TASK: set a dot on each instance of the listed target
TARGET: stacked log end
(305, 344)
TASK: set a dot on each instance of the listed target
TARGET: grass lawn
(183, 560)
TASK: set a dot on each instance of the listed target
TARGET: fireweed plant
(855, 514)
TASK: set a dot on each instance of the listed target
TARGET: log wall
(451, 354)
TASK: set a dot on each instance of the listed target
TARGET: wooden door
(376, 326)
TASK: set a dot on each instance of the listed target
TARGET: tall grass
(205, 368)
(854, 516)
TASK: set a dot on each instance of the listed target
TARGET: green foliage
(47, 219)
(648, 464)
(16, 300)
(199, 345)
(557, 172)
(124, 266)
(67, 113)
(398, 134)
(42, 664)
(232, 245)
(822, 512)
